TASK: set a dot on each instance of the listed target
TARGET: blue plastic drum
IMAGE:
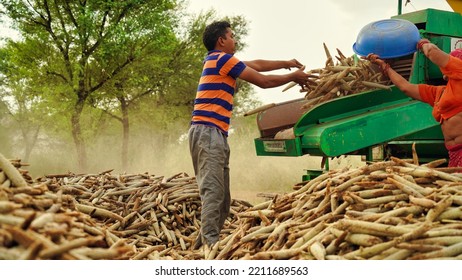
(388, 38)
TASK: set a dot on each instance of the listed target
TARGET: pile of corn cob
(99, 216)
(348, 75)
(397, 209)
(386, 210)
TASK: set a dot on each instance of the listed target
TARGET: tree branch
(57, 75)
(115, 72)
(111, 115)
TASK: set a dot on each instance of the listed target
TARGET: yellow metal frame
(456, 5)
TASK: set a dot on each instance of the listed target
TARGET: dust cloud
(251, 176)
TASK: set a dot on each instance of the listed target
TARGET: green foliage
(6, 130)
(88, 72)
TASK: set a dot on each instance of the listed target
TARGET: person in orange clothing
(211, 116)
(446, 100)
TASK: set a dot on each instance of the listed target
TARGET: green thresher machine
(367, 122)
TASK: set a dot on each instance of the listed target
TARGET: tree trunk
(29, 141)
(78, 137)
(126, 133)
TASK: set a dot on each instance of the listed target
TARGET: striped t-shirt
(214, 99)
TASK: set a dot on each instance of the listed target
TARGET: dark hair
(214, 31)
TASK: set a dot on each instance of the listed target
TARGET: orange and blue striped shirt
(215, 93)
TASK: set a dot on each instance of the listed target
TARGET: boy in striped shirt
(211, 118)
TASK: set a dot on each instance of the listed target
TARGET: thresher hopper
(362, 123)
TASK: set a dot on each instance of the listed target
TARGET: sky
(280, 30)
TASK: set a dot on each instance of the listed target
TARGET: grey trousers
(210, 156)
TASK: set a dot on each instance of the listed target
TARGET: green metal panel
(425, 71)
(429, 144)
(311, 174)
(351, 123)
(272, 147)
(353, 133)
(427, 150)
(431, 133)
(351, 105)
(435, 21)
(439, 27)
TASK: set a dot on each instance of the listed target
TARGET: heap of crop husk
(396, 209)
(386, 210)
(344, 76)
(98, 216)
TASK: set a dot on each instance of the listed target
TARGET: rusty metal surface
(283, 115)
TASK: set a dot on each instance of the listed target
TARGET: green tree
(162, 77)
(82, 45)
(133, 60)
(5, 129)
(165, 81)
(21, 103)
